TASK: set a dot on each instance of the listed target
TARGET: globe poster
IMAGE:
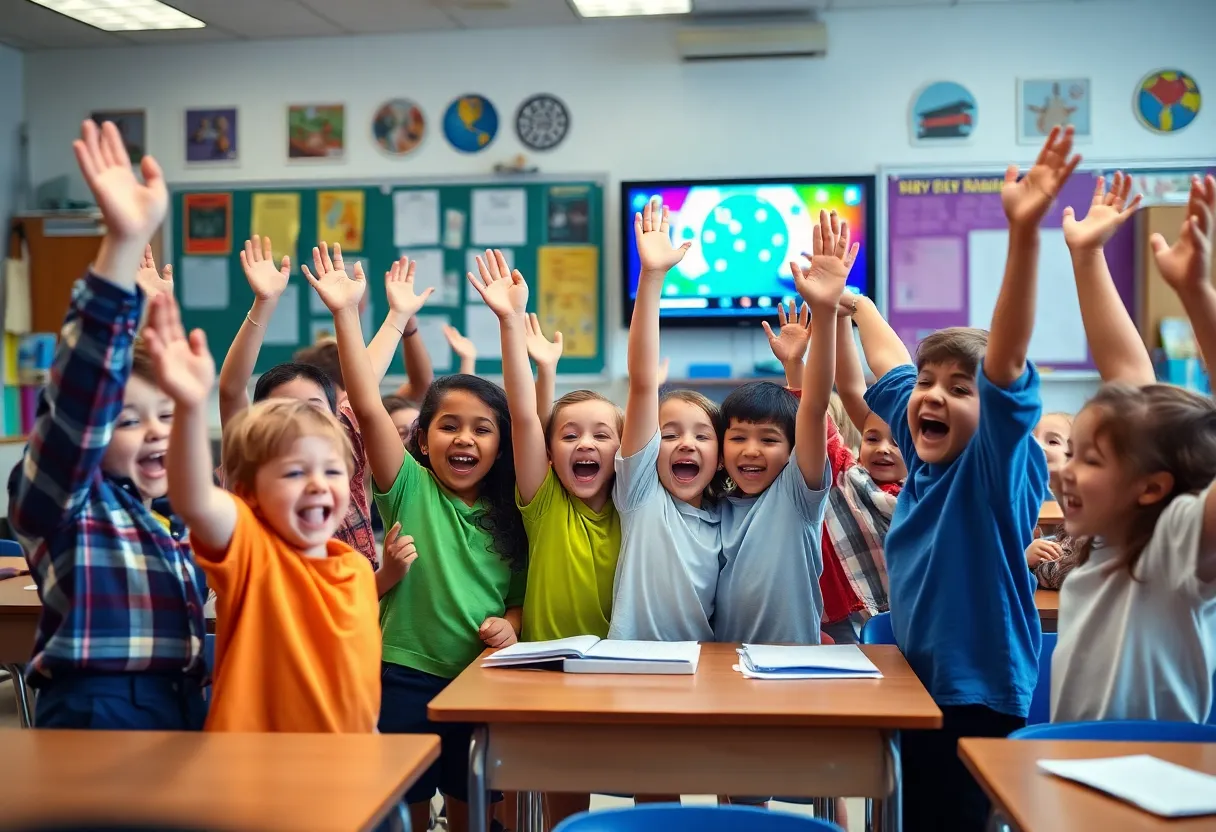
(470, 123)
(1167, 100)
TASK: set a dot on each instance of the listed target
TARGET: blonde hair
(262, 432)
(141, 361)
(1067, 417)
(578, 397)
(850, 433)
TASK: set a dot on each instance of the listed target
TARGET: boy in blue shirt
(962, 600)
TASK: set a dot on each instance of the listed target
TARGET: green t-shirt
(571, 564)
(431, 618)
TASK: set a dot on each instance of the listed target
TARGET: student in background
(962, 600)
(120, 638)
(464, 348)
(453, 490)
(1138, 614)
(404, 414)
(1053, 555)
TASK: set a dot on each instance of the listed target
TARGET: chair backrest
(672, 818)
(11, 549)
(1040, 704)
(1126, 730)
(878, 630)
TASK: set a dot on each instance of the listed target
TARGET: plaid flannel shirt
(120, 591)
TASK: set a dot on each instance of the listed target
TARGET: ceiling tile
(480, 14)
(382, 16)
(45, 29)
(257, 19)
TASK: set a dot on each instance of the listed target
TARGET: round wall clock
(542, 122)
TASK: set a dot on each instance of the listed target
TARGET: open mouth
(685, 470)
(585, 470)
(151, 466)
(882, 463)
(1069, 503)
(752, 472)
(462, 464)
(314, 518)
(933, 429)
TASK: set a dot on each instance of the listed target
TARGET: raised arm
(546, 354)
(341, 295)
(465, 350)
(790, 342)
(267, 282)
(153, 282)
(403, 304)
(884, 351)
(1114, 341)
(850, 381)
(506, 293)
(418, 370)
(1026, 202)
(652, 229)
(1187, 265)
(186, 372)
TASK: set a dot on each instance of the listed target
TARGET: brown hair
(324, 356)
(578, 397)
(263, 431)
(850, 433)
(718, 485)
(394, 403)
(1155, 428)
(141, 361)
(961, 344)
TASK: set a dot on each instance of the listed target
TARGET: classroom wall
(639, 113)
(12, 109)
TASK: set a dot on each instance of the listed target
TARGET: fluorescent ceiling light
(630, 8)
(123, 15)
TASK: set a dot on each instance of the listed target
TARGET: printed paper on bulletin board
(567, 279)
(340, 218)
(277, 216)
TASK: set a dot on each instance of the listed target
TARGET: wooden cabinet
(1154, 298)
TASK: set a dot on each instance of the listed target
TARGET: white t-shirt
(667, 575)
(1142, 648)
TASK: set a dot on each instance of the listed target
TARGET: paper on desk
(645, 651)
(1157, 786)
(828, 661)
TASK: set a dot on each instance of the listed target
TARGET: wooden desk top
(14, 597)
(1047, 601)
(208, 781)
(716, 695)
(1051, 514)
(1039, 802)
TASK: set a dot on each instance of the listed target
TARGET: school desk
(1039, 802)
(1051, 514)
(1047, 601)
(196, 780)
(711, 733)
(19, 611)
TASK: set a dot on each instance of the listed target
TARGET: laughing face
(880, 455)
(688, 450)
(304, 493)
(462, 443)
(754, 454)
(1053, 433)
(141, 437)
(585, 440)
(943, 412)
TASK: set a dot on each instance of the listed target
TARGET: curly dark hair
(501, 518)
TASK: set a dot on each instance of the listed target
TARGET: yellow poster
(277, 216)
(568, 284)
(340, 218)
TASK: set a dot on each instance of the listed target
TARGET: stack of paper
(589, 654)
(1154, 785)
(829, 661)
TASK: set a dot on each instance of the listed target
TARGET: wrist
(652, 275)
(398, 320)
(1024, 232)
(346, 316)
(265, 306)
(118, 260)
(411, 327)
(511, 320)
(1194, 294)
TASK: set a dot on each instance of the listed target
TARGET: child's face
(585, 441)
(404, 419)
(304, 390)
(754, 454)
(141, 437)
(943, 412)
(688, 450)
(1052, 433)
(462, 443)
(304, 493)
(880, 455)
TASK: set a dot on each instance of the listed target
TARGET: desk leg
(893, 808)
(479, 787)
(529, 812)
(23, 694)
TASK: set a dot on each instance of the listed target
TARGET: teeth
(313, 515)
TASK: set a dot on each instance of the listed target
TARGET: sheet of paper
(283, 328)
(481, 327)
(430, 330)
(204, 282)
(367, 319)
(1153, 784)
(839, 657)
(340, 218)
(927, 274)
(500, 217)
(277, 216)
(646, 651)
(572, 646)
(430, 272)
(470, 266)
(568, 297)
(454, 223)
(415, 218)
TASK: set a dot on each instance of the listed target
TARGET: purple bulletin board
(933, 221)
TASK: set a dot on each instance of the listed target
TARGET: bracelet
(853, 311)
(394, 326)
(255, 323)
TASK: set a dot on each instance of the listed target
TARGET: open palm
(460, 345)
(503, 290)
(337, 290)
(1107, 213)
(1188, 262)
(1026, 200)
(183, 365)
(401, 291)
(543, 351)
(133, 209)
(823, 282)
(652, 228)
(150, 280)
(793, 336)
(265, 279)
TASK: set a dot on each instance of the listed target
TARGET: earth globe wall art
(470, 123)
(1167, 100)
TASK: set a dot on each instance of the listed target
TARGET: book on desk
(591, 654)
(824, 661)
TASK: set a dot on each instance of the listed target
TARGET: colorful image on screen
(744, 236)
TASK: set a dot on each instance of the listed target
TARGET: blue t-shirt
(962, 599)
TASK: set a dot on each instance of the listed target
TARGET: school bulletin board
(947, 240)
(552, 231)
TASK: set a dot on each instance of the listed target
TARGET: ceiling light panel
(630, 8)
(123, 15)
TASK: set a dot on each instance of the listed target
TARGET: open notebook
(1157, 786)
(590, 654)
(828, 661)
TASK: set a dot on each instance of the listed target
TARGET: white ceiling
(28, 26)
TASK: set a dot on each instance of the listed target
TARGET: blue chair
(878, 630)
(1128, 730)
(671, 818)
(1040, 704)
(11, 549)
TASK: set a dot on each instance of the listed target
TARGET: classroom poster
(132, 126)
(568, 296)
(211, 135)
(569, 217)
(277, 216)
(316, 131)
(340, 218)
(207, 223)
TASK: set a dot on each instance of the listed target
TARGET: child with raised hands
(453, 489)
(667, 476)
(1138, 613)
(962, 599)
(297, 647)
(119, 643)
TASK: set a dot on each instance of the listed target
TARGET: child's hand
(400, 290)
(822, 284)
(399, 552)
(184, 367)
(664, 369)
(266, 281)
(794, 333)
(497, 632)
(503, 290)
(1041, 550)
(847, 307)
(463, 347)
(540, 349)
(1187, 264)
(151, 281)
(132, 210)
(1106, 215)
(336, 289)
(651, 227)
(1026, 201)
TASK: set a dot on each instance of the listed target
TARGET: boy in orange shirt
(298, 640)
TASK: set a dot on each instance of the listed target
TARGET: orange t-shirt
(297, 645)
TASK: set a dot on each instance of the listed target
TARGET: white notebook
(827, 661)
(590, 654)
(1154, 785)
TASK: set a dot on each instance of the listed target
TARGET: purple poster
(211, 135)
